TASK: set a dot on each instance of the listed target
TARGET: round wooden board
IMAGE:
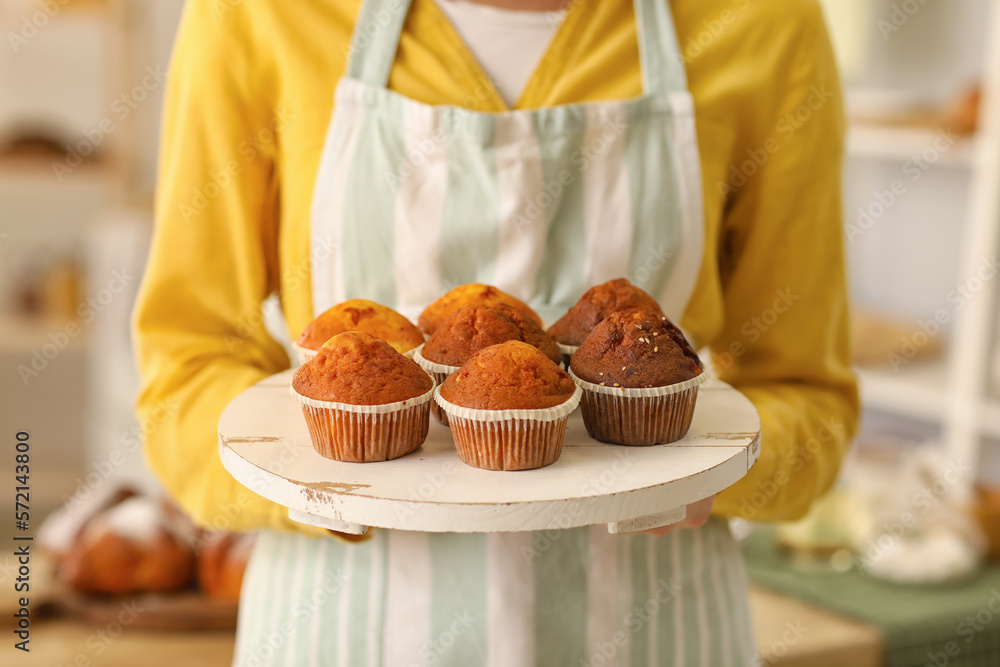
(265, 445)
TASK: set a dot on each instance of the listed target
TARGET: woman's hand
(697, 515)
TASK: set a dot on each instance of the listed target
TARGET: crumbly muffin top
(636, 349)
(360, 369)
(474, 328)
(467, 295)
(595, 305)
(508, 376)
(362, 315)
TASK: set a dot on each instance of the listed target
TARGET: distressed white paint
(264, 443)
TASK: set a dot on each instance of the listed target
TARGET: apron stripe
(674, 621)
(653, 190)
(524, 197)
(641, 625)
(369, 205)
(654, 611)
(345, 611)
(625, 599)
(458, 599)
(700, 596)
(723, 611)
(258, 576)
(607, 201)
(423, 181)
(510, 600)
(318, 605)
(295, 644)
(376, 598)
(408, 603)
(687, 166)
(560, 280)
(603, 583)
(471, 207)
(561, 598)
(328, 211)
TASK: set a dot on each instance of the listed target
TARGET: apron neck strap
(375, 40)
(659, 51)
(380, 23)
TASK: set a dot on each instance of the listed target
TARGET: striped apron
(412, 200)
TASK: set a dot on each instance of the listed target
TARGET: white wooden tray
(264, 444)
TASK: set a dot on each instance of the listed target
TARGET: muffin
(508, 406)
(640, 379)
(472, 329)
(594, 306)
(362, 400)
(358, 315)
(467, 295)
(222, 561)
(133, 547)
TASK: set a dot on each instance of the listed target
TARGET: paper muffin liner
(304, 353)
(366, 433)
(567, 352)
(508, 439)
(440, 373)
(639, 417)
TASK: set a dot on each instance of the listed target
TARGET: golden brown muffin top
(360, 369)
(595, 305)
(509, 376)
(362, 315)
(636, 349)
(474, 328)
(467, 295)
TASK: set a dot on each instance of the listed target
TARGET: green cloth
(921, 624)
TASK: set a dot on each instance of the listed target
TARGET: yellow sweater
(249, 99)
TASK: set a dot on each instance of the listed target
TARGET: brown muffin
(357, 368)
(595, 305)
(467, 295)
(222, 561)
(362, 315)
(508, 376)
(474, 328)
(133, 547)
(636, 349)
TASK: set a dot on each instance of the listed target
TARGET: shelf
(37, 170)
(21, 334)
(918, 390)
(904, 143)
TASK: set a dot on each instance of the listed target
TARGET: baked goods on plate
(358, 315)
(474, 328)
(640, 379)
(594, 306)
(467, 295)
(135, 546)
(507, 407)
(362, 400)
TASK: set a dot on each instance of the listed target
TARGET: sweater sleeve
(197, 326)
(785, 341)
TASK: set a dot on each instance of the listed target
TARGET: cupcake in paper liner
(474, 328)
(508, 407)
(473, 294)
(362, 400)
(594, 307)
(358, 315)
(640, 380)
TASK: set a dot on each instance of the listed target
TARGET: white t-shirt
(508, 44)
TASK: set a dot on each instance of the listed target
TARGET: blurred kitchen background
(81, 85)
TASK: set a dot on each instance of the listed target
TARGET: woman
(701, 161)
